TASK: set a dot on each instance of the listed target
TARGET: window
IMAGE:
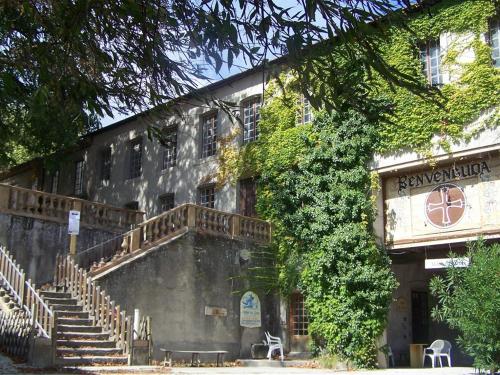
(299, 320)
(106, 164)
(207, 196)
(133, 205)
(209, 136)
(78, 188)
(251, 118)
(248, 197)
(54, 184)
(430, 56)
(170, 148)
(166, 202)
(304, 115)
(494, 40)
(135, 158)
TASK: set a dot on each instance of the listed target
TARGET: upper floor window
(78, 187)
(209, 135)
(206, 196)
(251, 117)
(304, 114)
(54, 185)
(166, 202)
(135, 158)
(170, 148)
(430, 56)
(494, 39)
(106, 164)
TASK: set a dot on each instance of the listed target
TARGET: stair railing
(101, 308)
(170, 224)
(25, 294)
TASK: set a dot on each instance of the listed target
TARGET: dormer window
(430, 57)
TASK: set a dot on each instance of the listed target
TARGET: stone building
(427, 206)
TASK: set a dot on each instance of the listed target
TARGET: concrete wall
(35, 243)
(177, 281)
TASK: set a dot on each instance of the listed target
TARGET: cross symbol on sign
(445, 205)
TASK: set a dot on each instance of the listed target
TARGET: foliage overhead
(65, 64)
(469, 301)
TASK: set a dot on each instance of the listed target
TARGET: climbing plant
(314, 178)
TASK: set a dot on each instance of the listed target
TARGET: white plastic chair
(438, 349)
(274, 343)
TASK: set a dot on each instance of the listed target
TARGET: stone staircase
(79, 341)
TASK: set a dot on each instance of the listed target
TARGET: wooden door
(299, 324)
(248, 197)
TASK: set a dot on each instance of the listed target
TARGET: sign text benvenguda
(443, 175)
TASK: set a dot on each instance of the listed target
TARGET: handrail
(97, 302)
(54, 207)
(25, 294)
(171, 223)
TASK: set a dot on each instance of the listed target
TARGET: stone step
(48, 294)
(77, 361)
(72, 314)
(60, 301)
(60, 307)
(82, 335)
(87, 351)
(74, 321)
(75, 343)
(78, 328)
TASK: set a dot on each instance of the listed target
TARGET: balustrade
(14, 278)
(53, 207)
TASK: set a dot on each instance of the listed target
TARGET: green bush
(469, 301)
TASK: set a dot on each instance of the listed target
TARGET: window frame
(201, 190)
(135, 163)
(299, 318)
(165, 198)
(426, 62)
(54, 182)
(494, 25)
(304, 103)
(255, 103)
(105, 162)
(169, 156)
(79, 177)
(209, 121)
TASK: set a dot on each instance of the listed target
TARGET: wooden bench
(195, 356)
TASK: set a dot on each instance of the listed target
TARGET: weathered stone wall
(35, 243)
(176, 282)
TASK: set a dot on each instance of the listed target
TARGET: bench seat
(195, 356)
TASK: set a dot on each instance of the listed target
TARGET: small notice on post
(74, 222)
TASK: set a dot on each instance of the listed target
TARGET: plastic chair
(274, 343)
(438, 349)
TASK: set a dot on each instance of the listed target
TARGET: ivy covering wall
(314, 180)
